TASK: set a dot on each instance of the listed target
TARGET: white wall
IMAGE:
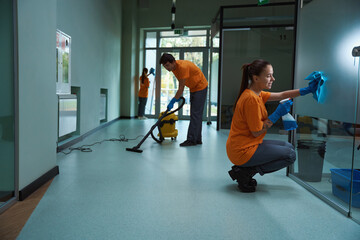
(130, 51)
(37, 89)
(95, 30)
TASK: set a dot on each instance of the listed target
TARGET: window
(150, 40)
(189, 38)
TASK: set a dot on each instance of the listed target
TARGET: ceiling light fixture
(173, 10)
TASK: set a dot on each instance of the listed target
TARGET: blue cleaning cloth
(317, 78)
(152, 71)
(314, 75)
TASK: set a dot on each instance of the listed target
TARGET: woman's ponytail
(244, 82)
(143, 75)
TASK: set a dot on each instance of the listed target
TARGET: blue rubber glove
(311, 88)
(280, 111)
(171, 103)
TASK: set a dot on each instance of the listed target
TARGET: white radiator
(102, 106)
(67, 114)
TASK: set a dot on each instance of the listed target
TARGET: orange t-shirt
(250, 112)
(194, 78)
(143, 92)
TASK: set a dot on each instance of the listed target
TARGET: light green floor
(169, 192)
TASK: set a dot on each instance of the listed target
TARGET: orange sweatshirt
(143, 92)
(195, 79)
(250, 112)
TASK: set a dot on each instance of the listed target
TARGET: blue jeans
(142, 104)
(197, 102)
(272, 155)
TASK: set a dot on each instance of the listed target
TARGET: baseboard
(82, 137)
(32, 187)
(125, 117)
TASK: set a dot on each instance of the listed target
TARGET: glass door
(198, 58)
(7, 120)
(168, 84)
(353, 182)
(150, 62)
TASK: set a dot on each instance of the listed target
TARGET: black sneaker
(243, 175)
(253, 182)
(199, 142)
(187, 143)
(234, 176)
(245, 187)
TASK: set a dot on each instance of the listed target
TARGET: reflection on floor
(170, 192)
(14, 218)
(5, 196)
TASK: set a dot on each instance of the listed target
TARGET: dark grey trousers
(272, 155)
(142, 104)
(197, 102)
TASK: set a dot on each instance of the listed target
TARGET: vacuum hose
(157, 124)
(166, 113)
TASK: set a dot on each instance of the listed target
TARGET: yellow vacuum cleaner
(165, 125)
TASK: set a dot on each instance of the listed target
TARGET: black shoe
(187, 143)
(253, 182)
(245, 187)
(244, 175)
(233, 174)
(237, 172)
(199, 142)
(234, 177)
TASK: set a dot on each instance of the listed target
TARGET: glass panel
(63, 65)
(197, 33)
(168, 34)
(214, 83)
(183, 41)
(355, 209)
(197, 58)
(324, 152)
(7, 163)
(275, 45)
(264, 15)
(67, 114)
(150, 41)
(330, 53)
(150, 62)
(65, 61)
(216, 41)
(169, 85)
(57, 65)
(214, 74)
